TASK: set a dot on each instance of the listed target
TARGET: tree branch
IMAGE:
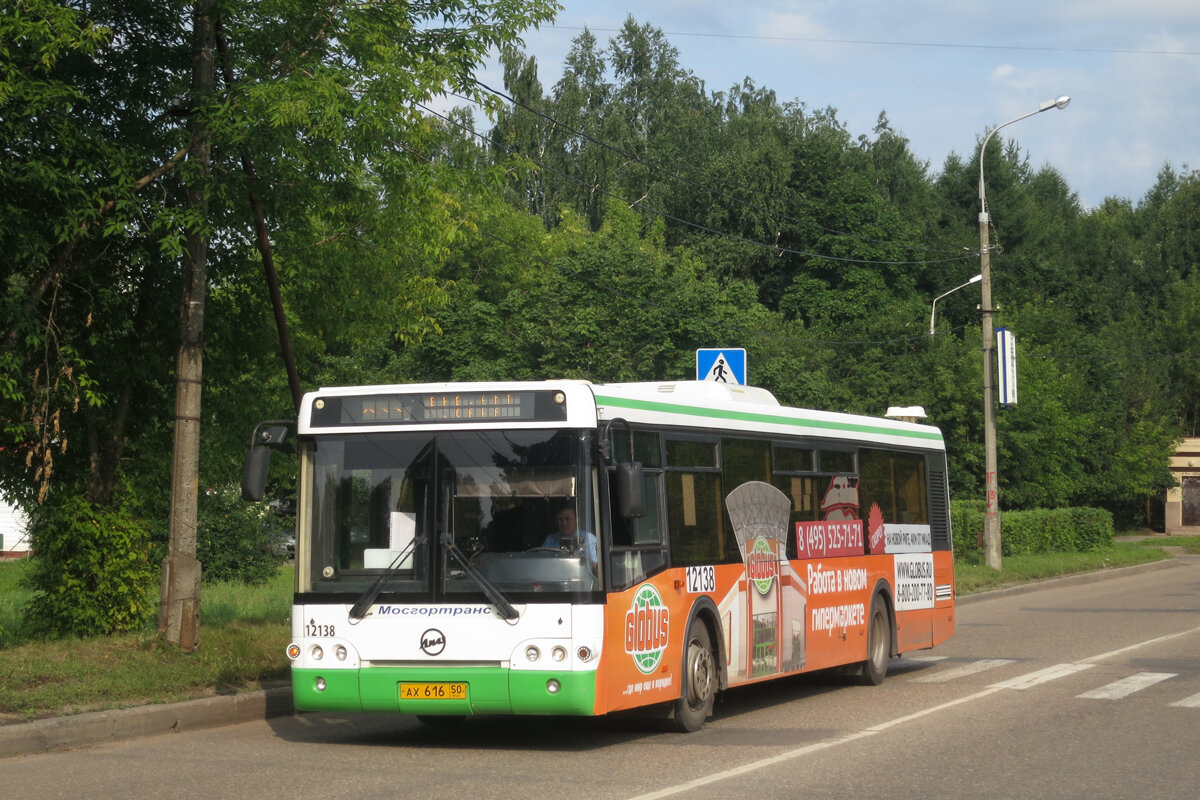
(62, 258)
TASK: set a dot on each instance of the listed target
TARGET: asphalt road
(1079, 690)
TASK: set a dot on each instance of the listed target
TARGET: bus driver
(567, 534)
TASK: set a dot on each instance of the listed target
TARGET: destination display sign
(439, 408)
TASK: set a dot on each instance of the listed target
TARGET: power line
(887, 43)
(1186, 355)
(774, 248)
(644, 303)
(808, 340)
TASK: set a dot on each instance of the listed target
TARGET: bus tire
(699, 680)
(879, 645)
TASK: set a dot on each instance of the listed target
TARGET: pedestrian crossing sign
(721, 364)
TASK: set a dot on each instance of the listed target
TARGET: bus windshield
(517, 505)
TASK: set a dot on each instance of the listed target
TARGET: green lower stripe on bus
(552, 692)
(321, 690)
(451, 691)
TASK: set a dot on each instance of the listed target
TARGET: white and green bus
(563, 547)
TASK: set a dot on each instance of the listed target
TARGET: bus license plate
(433, 691)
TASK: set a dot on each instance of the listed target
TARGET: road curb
(98, 727)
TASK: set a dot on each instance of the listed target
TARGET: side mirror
(631, 495)
(258, 460)
(254, 473)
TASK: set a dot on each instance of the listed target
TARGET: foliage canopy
(603, 228)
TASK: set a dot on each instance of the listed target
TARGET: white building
(14, 542)
(1183, 500)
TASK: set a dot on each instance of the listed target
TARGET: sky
(946, 72)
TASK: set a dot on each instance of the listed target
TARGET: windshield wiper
(490, 591)
(360, 608)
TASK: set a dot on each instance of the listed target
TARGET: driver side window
(639, 545)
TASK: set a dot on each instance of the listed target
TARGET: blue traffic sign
(721, 364)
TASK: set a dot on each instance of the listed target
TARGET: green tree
(581, 104)
(528, 130)
(613, 305)
(312, 114)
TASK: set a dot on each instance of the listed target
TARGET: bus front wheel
(879, 645)
(699, 680)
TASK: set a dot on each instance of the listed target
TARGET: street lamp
(991, 483)
(933, 308)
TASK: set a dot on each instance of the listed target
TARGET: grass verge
(244, 630)
(1189, 544)
(242, 635)
(971, 575)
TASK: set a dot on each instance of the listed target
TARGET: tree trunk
(264, 245)
(179, 616)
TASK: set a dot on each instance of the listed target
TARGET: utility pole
(991, 481)
(179, 615)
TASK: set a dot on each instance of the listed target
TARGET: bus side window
(803, 491)
(638, 550)
(697, 525)
(896, 483)
(645, 530)
(630, 567)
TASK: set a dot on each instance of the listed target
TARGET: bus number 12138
(701, 579)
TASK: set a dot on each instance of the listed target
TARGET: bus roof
(707, 406)
(712, 405)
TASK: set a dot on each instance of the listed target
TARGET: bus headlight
(340, 652)
(559, 653)
(316, 652)
(532, 653)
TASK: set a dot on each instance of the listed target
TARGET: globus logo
(647, 629)
(760, 565)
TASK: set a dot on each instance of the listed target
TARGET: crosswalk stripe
(963, 670)
(1041, 676)
(1112, 691)
(1127, 686)
(1188, 702)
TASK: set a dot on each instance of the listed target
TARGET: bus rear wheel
(699, 680)
(879, 646)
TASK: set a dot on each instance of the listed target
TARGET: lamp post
(933, 308)
(991, 483)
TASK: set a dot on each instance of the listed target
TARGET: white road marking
(1139, 645)
(789, 755)
(1031, 679)
(1126, 686)
(964, 670)
(1188, 702)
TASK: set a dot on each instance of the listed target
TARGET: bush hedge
(92, 571)
(1043, 530)
(235, 540)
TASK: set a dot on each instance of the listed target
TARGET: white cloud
(1011, 77)
(779, 26)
